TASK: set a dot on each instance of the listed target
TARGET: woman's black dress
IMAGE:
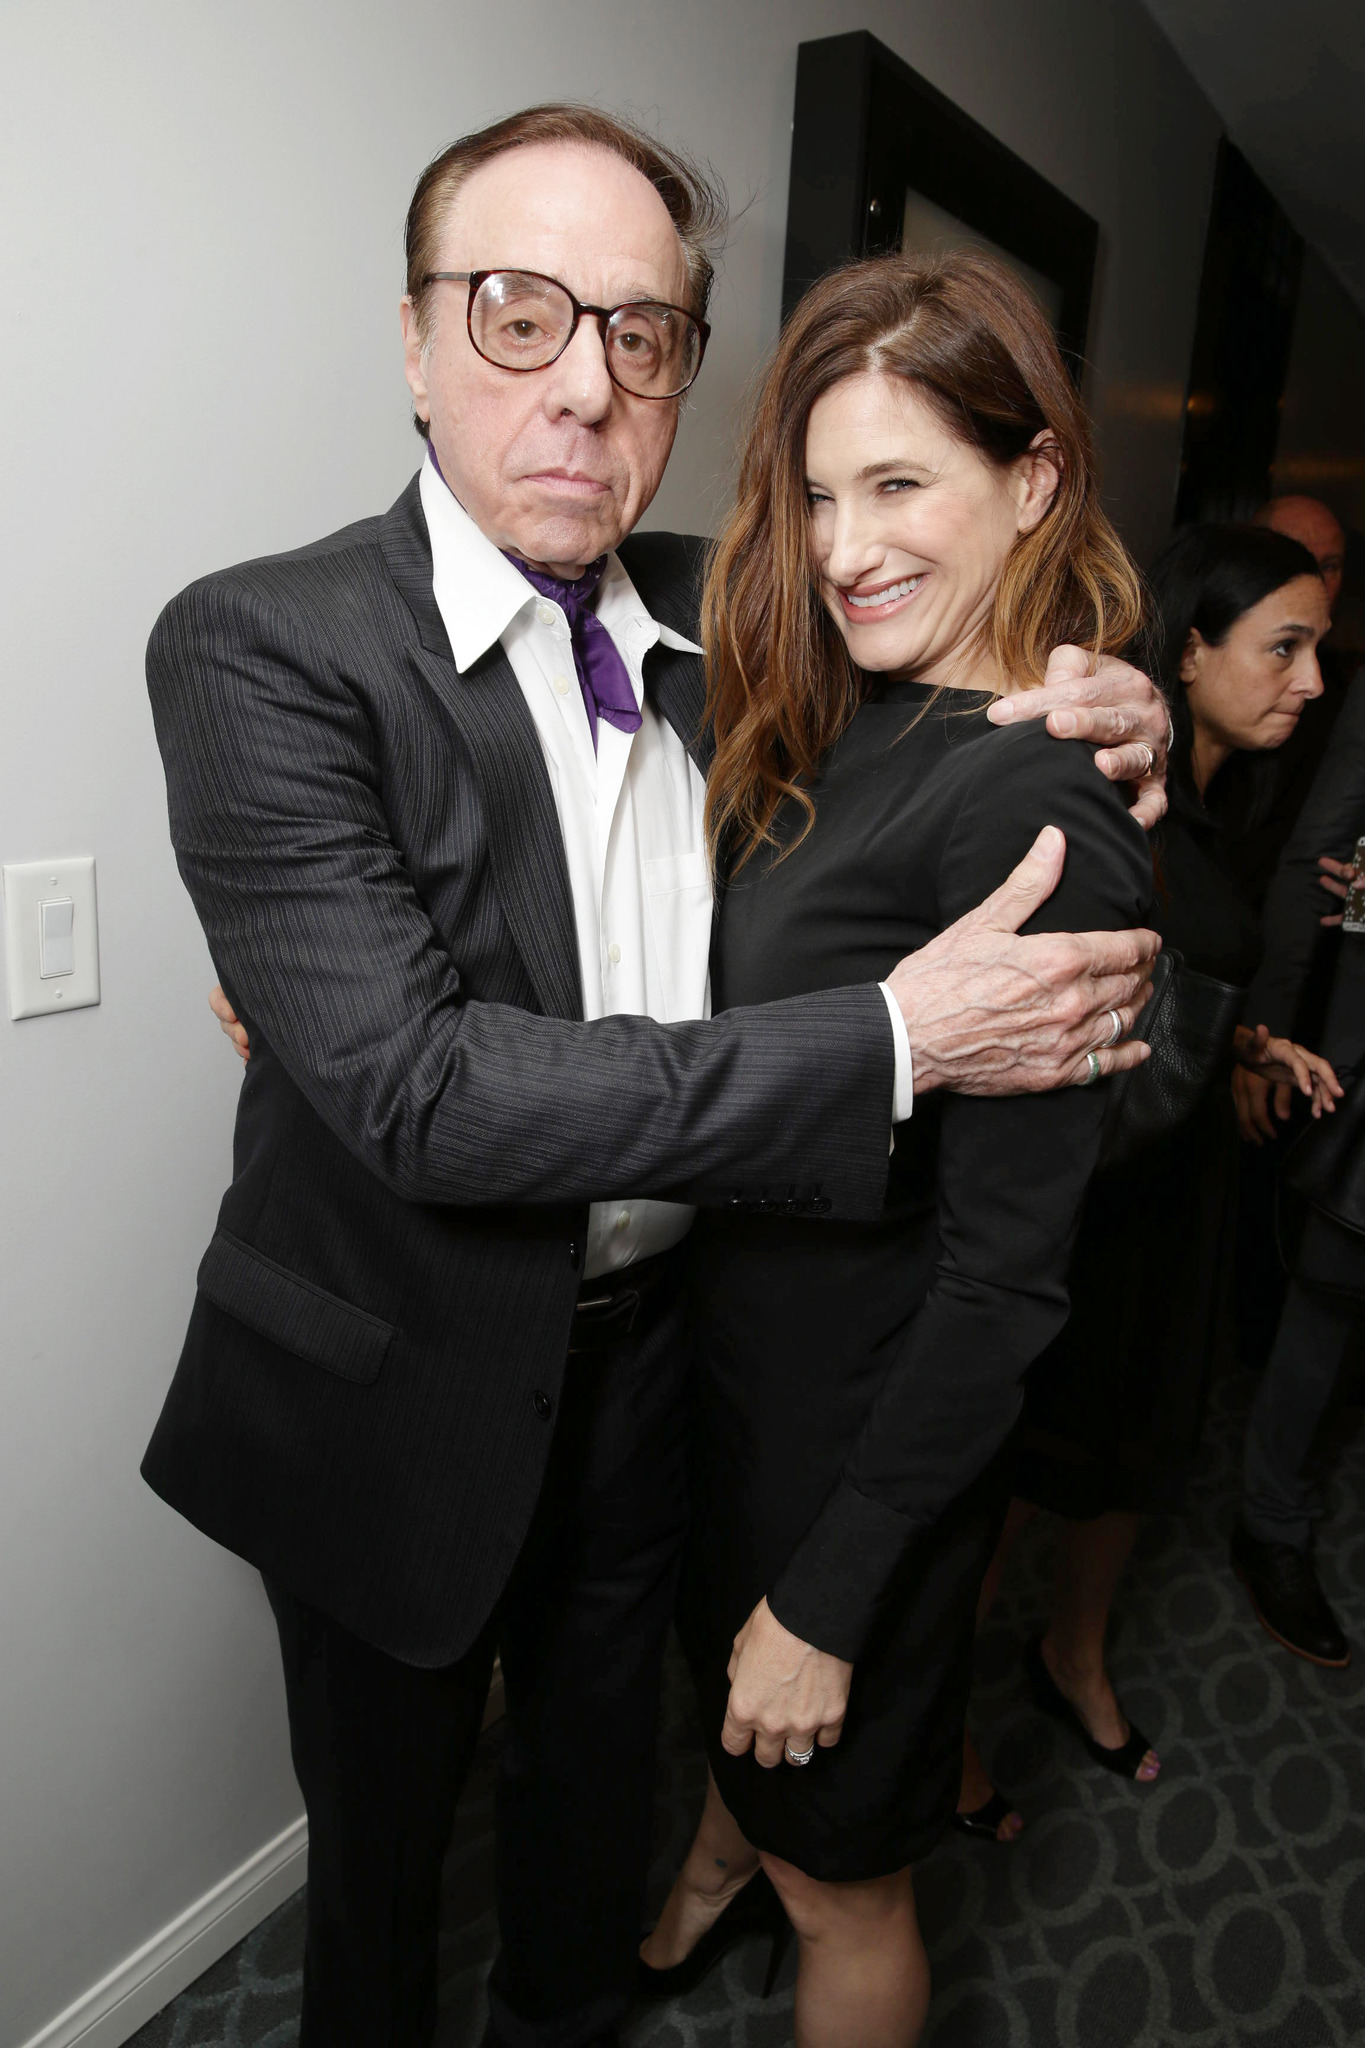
(856, 1381)
(1114, 1409)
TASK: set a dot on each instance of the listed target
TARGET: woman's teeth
(886, 596)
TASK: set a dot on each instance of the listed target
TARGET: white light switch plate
(28, 886)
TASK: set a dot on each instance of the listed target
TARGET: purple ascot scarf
(602, 675)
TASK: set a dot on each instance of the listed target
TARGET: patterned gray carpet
(1221, 1908)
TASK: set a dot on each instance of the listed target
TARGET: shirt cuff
(903, 1093)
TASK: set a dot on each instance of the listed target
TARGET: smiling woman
(973, 499)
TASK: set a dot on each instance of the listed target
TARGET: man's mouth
(879, 602)
(572, 483)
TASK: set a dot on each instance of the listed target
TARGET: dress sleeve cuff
(831, 1590)
(903, 1093)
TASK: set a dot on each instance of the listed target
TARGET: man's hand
(1108, 702)
(1253, 1098)
(989, 1013)
(1336, 878)
(234, 1032)
(782, 1691)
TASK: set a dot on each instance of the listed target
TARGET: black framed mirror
(882, 160)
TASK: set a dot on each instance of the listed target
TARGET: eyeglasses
(520, 320)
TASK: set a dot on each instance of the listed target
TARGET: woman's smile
(881, 600)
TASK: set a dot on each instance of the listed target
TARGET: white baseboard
(112, 2010)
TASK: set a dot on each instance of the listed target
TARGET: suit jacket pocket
(292, 1312)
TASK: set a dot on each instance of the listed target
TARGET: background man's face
(558, 464)
(1315, 527)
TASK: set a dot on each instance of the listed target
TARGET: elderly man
(436, 789)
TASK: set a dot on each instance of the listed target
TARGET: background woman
(1114, 1409)
(917, 525)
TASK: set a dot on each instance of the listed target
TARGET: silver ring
(798, 1756)
(1092, 1061)
(1150, 751)
(1117, 1032)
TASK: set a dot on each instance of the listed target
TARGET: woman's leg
(1090, 1558)
(976, 1788)
(863, 1980)
(719, 1864)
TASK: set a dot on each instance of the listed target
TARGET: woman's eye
(900, 483)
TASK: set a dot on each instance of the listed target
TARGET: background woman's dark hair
(1203, 581)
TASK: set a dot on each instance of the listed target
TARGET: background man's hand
(234, 1032)
(782, 1691)
(1336, 879)
(1114, 706)
(1253, 1098)
(989, 1013)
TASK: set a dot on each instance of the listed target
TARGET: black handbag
(1189, 1022)
(1326, 1162)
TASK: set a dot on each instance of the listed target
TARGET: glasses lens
(653, 350)
(520, 321)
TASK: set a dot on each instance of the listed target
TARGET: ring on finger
(799, 1757)
(1092, 1072)
(1150, 751)
(1116, 1033)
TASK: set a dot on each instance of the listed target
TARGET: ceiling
(1289, 84)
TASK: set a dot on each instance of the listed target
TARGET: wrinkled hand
(1252, 1101)
(1336, 878)
(234, 1032)
(1289, 1066)
(1109, 703)
(989, 1013)
(782, 1691)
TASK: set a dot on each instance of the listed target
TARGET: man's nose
(578, 382)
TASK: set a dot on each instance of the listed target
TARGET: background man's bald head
(1316, 527)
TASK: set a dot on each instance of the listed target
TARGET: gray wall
(200, 264)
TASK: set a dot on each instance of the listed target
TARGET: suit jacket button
(543, 1404)
(573, 1254)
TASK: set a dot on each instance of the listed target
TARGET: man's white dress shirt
(632, 817)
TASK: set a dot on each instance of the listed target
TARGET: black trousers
(1285, 1441)
(382, 1748)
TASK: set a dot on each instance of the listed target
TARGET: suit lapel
(676, 683)
(667, 570)
(504, 750)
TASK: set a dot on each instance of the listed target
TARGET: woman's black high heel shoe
(1050, 1699)
(984, 1821)
(755, 1910)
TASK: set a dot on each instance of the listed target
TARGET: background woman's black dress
(1114, 1409)
(856, 1381)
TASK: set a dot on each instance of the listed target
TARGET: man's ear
(414, 368)
(1038, 476)
(1192, 656)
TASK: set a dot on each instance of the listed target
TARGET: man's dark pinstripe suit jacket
(364, 1404)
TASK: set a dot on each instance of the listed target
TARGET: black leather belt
(609, 1307)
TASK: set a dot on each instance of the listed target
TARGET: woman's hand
(234, 1032)
(1288, 1066)
(1108, 702)
(1336, 878)
(783, 1692)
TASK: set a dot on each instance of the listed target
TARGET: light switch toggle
(56, 938)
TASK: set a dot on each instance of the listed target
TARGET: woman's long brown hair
(976, 345)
